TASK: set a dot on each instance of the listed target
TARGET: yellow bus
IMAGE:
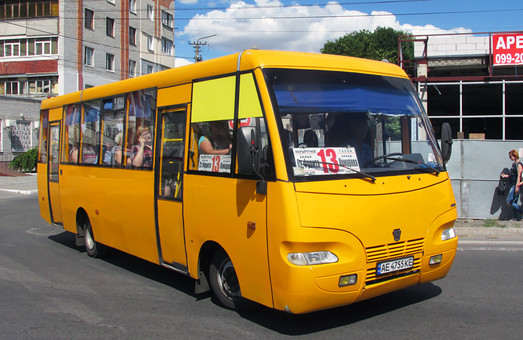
(298, 181)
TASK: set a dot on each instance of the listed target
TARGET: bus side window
(140, 129)
(113, 131)
(211, 125)
(250, 114)
(71, 134)
(91, 133)
(44, 130)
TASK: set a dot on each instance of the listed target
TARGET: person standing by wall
(515, 182)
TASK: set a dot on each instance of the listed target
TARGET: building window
(149, 69)
(43, 47)
(89, 56)
(150, 12)
(109, 62)
(132, 68)
(167, 46)
(21, 136)
(40, 86)
(89, 19)
(132, 36)
(28, 9)
(109, 27)
(150, 42)
(12, 48)
(11, 87)
(167, 19)
(132, 6)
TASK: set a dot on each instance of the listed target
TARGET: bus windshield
(351, 124)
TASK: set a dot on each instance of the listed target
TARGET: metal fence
(474, 170)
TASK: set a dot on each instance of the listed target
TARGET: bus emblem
(397, 234)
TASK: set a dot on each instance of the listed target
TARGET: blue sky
(305, 25)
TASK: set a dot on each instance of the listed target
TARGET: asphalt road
(50, 289)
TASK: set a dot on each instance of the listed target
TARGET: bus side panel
(43, 197)
(222, 210)
(302, 289)
(119, 204)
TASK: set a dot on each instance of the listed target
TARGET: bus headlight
(448, 234)
(312, 258)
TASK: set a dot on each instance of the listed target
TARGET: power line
(363, 15)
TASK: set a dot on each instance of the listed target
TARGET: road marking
(483, 245)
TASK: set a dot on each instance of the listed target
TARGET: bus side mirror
(446, 141)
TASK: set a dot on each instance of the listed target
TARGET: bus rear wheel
(224, 282)
(93, 248)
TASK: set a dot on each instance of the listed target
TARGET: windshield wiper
(315, 163)
(429, 168)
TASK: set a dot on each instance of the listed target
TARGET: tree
(378, 45)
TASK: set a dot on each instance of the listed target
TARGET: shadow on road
(319, 321)
(136, 265)
(277, 321)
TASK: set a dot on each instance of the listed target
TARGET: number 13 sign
(325, 161)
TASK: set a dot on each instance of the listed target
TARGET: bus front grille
(392, 251)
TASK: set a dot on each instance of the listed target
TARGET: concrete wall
(474, 169)
(453, 46)
(12, 109)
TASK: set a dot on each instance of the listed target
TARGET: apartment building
(54, 47)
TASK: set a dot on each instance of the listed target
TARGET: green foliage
(489, 223)
(378, 45)
(393, 128)
(26, 161)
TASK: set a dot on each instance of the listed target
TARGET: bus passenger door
(170, 144)
(53, 175)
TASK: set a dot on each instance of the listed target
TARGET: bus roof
(250, 59)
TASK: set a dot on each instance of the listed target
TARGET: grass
(490, 223)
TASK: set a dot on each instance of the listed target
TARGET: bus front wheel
(224, 282)
(93, 248)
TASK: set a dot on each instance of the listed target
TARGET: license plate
(395, 265)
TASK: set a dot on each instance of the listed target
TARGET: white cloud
(239, 26)
(182, 62)
(188, 2)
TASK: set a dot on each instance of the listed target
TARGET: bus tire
(93, 248)
(224, 282)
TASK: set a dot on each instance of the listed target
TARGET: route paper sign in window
(325, 161)
(507, 49)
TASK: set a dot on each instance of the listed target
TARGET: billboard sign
(507, 49)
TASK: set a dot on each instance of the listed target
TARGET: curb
(23, 192)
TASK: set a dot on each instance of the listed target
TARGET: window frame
(89, 19)
(132, 6)
(150, 12)
(89, 56)
(167, 46)
(132, 68)
(132, 36)
(109, 27)
(167, 19)
(109, 62)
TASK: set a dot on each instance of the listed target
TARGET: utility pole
(197, 44)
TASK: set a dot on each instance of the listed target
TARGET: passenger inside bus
(89, 155)
(142, 153)
(218, 141)
(358, 131)
(113, 154)
(350, 130)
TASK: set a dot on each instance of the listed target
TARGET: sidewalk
(25, 184)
